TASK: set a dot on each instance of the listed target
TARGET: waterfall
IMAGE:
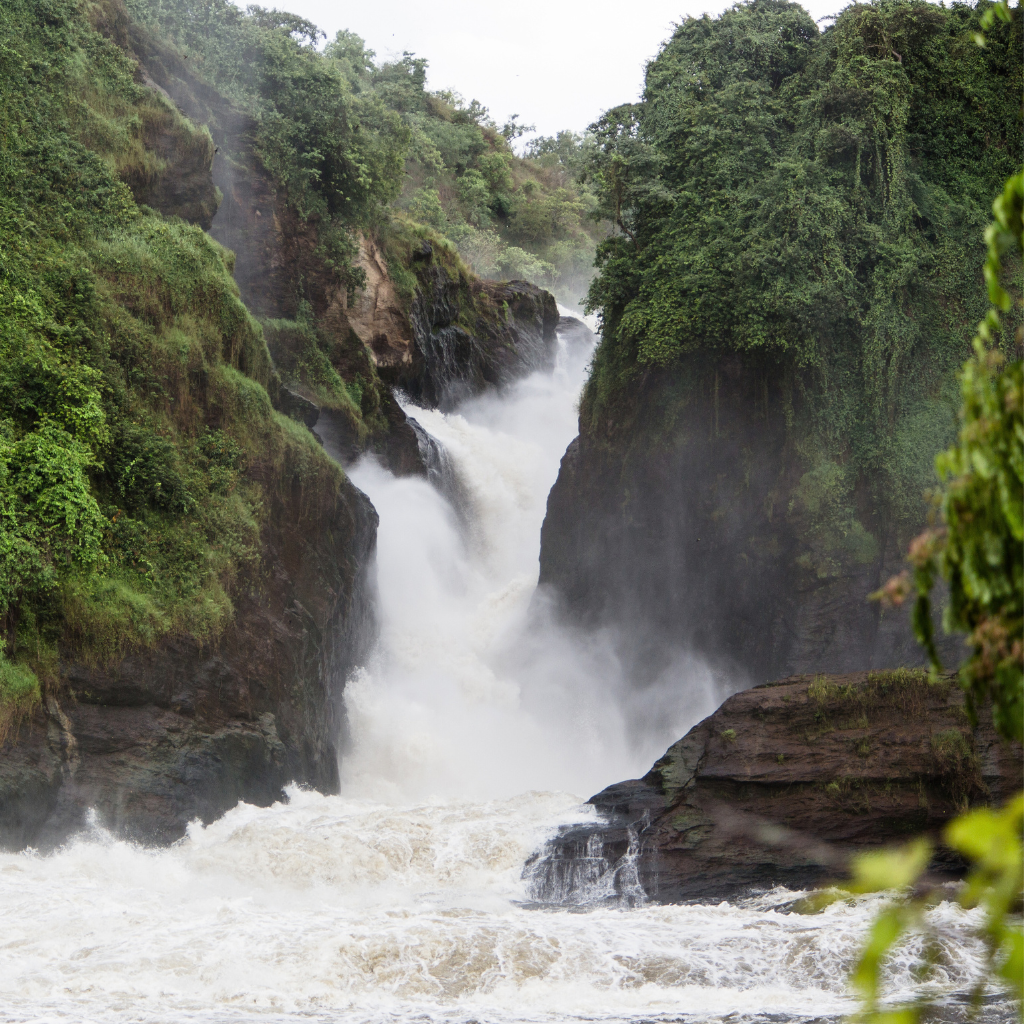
(474, 690)
(477, 728)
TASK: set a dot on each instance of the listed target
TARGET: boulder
(780, 786)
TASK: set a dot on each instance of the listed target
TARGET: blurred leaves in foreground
(979, 550)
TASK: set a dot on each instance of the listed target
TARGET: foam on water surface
(402, 899)
(348, 910)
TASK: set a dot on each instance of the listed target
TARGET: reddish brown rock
(781, 784)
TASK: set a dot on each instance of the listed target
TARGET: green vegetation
(848, 706)
(139, 453)
(815, 203)
(990, 840)
(347, 136)
(978, 550)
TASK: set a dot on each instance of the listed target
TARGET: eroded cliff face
(456, 337)
(779, 787)
(685, 515)
(187, 729)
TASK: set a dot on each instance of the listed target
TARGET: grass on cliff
(140, 456)
(849, 705)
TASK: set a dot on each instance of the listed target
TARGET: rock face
(574, 332)
(778, 786)
(456, 337)
(513, 332)
(682, 515)
(187, 730)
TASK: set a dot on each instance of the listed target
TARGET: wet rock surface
(778, 787)
(677, 518)
(186, 730)
(451, 362)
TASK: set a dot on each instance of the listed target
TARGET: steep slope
(354, 299)
(182, 569)
(795, 279)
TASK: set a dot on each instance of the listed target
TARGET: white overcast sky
(556, 63)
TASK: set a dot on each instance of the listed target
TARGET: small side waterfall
(441, 471)
(587, 867)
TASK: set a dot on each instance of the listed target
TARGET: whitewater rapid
(476, 728)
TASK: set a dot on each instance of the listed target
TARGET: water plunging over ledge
(477, 729)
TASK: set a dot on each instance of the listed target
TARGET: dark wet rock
(187, 729)
(574, 332)
(677, 518)
(298, 406)
(779, 786)
(440, 470)
(448, 362)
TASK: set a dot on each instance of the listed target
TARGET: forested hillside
(139, 452)
(348, 134)
(793, 280)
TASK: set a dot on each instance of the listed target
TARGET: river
(477, 727)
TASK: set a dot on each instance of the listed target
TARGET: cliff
(684, 516)
(183, 568)
(186, 729)
(779, 786)
(770, 392)
(183, 576)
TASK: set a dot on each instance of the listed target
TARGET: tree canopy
(815, 202)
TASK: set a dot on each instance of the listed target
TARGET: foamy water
(340, 909)
(478, 726)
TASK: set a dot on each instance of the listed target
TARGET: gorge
(344, 554)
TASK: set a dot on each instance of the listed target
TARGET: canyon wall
(186, 729)
(685, 516)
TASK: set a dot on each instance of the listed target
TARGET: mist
(477, 688)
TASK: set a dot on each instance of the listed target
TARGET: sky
(557, 63)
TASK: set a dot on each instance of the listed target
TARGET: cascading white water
(476, 729)
(468, 694)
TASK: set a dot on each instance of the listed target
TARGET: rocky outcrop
(375, 313)
(472, 334)
(574, 332)
(684, 514)
(779, 786)
(185, 730)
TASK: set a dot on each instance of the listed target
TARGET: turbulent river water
(476, 729)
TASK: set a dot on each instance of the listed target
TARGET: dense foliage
(347, 136)
(814, 202)
(138, 447)
(979, 550)
(335, 148)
